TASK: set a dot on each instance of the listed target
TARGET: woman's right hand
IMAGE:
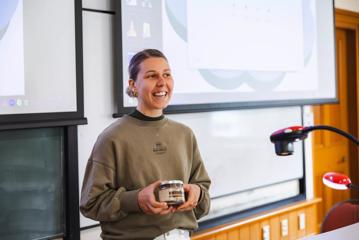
(148, 203)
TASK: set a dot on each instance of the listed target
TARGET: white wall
(91, 234)
(106, 5)
(98, 90)
(98, 75)
(351, 5)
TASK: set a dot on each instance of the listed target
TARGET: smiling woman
(152, 85)
(138, 153)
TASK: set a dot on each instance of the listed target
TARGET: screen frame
(11, 121)
(207, 107)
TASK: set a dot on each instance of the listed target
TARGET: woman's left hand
(193, 193)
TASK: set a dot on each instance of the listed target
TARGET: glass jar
(171, 192)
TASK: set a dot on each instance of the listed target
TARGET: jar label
(171, 194)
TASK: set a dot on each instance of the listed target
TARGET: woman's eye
(156, 76)
(152, 76)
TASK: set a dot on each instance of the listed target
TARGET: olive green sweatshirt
(128, 156)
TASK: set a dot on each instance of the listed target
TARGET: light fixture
(338, 181)
(283, 139)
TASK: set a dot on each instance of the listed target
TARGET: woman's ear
(131, 90)
(131, 83)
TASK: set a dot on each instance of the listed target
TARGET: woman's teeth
(160, 94)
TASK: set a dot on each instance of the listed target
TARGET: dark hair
(138, 58)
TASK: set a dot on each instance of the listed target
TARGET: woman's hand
(147, 201)
(193, 193)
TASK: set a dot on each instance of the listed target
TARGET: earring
(134, 93)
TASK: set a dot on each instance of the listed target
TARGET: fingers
(163, 209)
(154, 207)
(155, 185)
(147, 201)
(193, 192)
(188, 205)
(167, 211)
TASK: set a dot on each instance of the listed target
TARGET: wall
(98, 89)
(351, 5)
(99, 95)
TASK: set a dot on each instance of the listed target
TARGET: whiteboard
(236, 149)
(243, 57)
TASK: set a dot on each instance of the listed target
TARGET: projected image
(261, 38)
(11, 48)
(37, 57)
(249, 44)
(236, 51)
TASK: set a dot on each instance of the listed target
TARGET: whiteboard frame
(13, 121)
(206, 107)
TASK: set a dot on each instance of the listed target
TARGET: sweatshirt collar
(140, 116)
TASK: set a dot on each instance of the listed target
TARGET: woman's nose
(161, 81)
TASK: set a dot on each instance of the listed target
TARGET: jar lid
(171, 182)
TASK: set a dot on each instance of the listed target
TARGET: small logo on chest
(159, 148)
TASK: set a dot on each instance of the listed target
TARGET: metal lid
(172, 182)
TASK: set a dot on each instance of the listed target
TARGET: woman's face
(154, 85)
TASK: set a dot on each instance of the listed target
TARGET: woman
(134, 154)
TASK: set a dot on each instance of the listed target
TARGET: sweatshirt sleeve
(101, 197)
(200, 177)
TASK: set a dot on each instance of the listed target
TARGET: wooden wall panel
(332, 152)
(244, 233)
(311, 224)
(293, 224)
(252, 228)
(275, 228)
(233, 234)
(222, 236)
(255, 231)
